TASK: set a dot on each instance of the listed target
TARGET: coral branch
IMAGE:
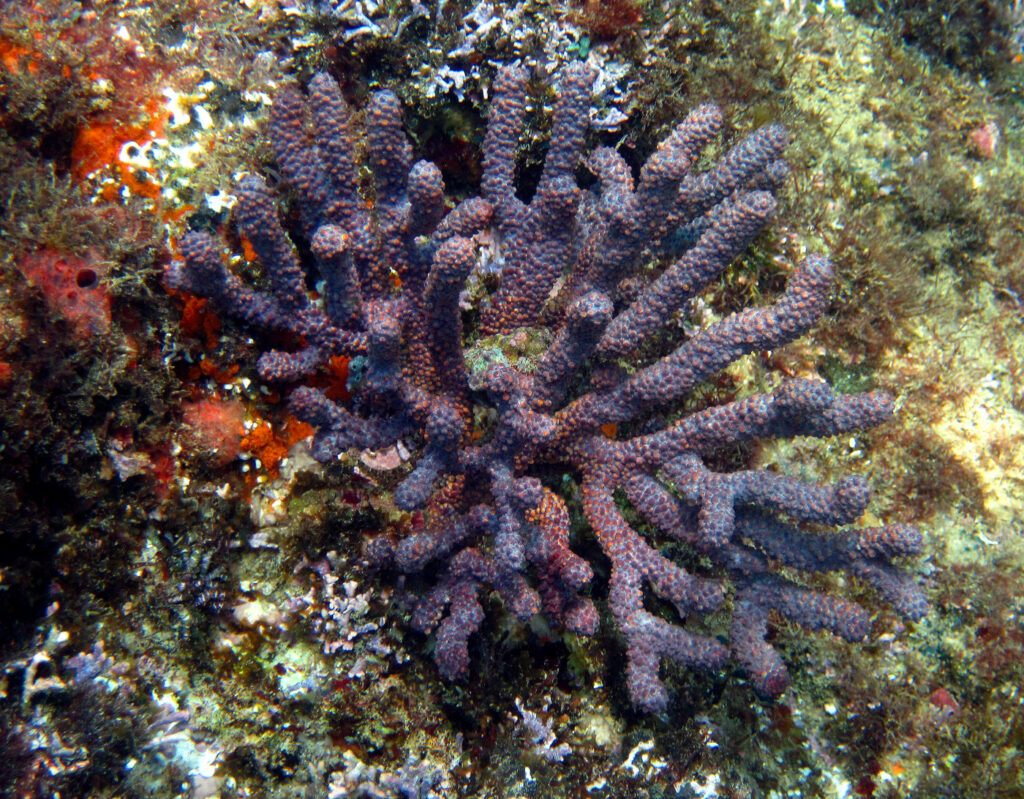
(495, 439)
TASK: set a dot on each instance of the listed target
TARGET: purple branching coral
(393, 270)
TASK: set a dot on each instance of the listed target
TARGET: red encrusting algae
(72, 286)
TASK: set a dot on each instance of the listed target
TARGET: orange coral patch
(176, 214)
(265, 445)
(197, 320)
(337, 389)
(297, 430)
(13, 55)
(211, 369)
(98, 146)
(248, 251)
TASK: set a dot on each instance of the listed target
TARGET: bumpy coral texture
(394, 262)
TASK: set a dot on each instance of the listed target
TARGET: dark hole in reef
(86, 278)
(171, 33)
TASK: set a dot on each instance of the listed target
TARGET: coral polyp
(494, 441)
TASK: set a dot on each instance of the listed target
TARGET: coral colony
(395, 275)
